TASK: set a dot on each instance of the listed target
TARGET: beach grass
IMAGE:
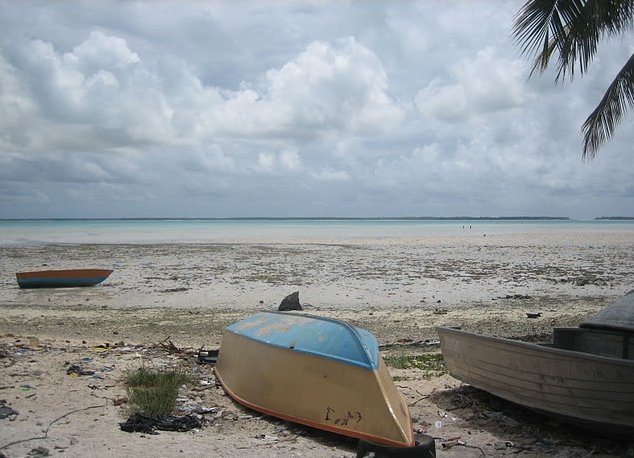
(154, 392)
(432, 364)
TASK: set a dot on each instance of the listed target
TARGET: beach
(399, 288)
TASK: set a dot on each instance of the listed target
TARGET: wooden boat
(584, 376)
(62, 278)
(315, 371)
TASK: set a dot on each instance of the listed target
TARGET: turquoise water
(25, 232)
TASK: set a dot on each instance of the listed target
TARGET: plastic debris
(267, 438)
(197, 408)
(451, 442)
(208, 356)
(76, 370)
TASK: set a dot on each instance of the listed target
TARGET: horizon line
(225, 218)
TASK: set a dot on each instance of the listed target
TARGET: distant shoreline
(322, 218)
(615, 218)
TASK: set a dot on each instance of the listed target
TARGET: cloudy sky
(295, 108)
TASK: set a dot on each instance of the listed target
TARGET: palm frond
(571, 27)
(596, 19)
(543, 26)
(600, 125)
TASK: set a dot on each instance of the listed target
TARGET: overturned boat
(584, 376)
(67, 278)
(315, 371)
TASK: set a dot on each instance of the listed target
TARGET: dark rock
(290, 302)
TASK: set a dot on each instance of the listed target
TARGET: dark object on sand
(585, 376)
(533, 314)
(425, 448)
(208, 356)
(6, 412)
(290, 302)
(138, 423)
(68, 278)
(76, 369)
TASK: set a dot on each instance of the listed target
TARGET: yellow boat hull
(314, 391)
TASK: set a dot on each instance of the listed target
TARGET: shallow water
(144, 231)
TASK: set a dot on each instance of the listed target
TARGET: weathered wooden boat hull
(260, 369)
(587, 389)
(62, 278)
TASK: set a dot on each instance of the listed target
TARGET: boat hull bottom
(314, 391)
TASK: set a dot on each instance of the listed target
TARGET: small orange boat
(62, 278)
(315, 371)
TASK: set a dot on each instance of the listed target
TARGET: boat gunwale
(537, 347)
(371, 363)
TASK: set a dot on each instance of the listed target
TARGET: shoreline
(400, 290)
(396, 288)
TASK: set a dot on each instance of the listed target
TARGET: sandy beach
(400, 289)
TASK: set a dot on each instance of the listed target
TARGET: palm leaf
(543, 26)
(600, 125)
(571, 27)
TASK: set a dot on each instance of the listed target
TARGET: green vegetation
(153, 392)
(569, 32)
(432, 364)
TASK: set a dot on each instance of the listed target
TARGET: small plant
(153, 392)
(432, 364)
(400, 361)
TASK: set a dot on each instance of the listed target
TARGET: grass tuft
(432, 364)
(153, 392)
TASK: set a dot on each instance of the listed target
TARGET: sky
(121, 109)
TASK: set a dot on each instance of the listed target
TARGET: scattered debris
(515, 296)
(267, 438)
(5, 411)
(410, 343)
(38, 452)
(207, 356)
(138, 423)
(451, 442)
(75, 370)
(168, 345)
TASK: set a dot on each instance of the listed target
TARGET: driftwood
(168, 345)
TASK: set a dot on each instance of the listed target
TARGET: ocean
(155, 231)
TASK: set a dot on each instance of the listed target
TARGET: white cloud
(339, 87)
(101, 51)
(16, 108)
(272, 163)
(289, 160)
(485, 83)
(331, 175)
(402, 107)
(266, 161)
